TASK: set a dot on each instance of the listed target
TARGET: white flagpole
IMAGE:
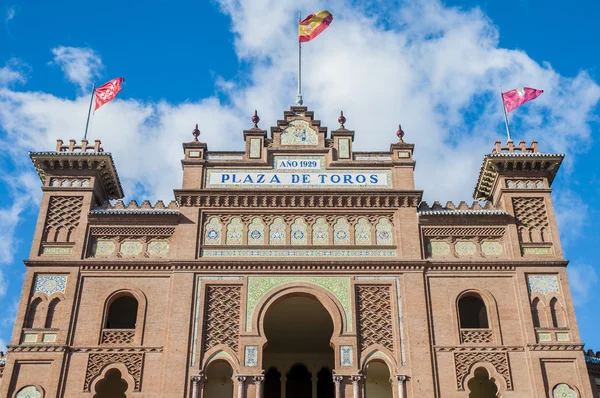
(299, 96)
(89, 111)
(505, 114)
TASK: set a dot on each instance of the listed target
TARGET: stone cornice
(40, 347)
(555, 347)
(464, 348)
(298, 199)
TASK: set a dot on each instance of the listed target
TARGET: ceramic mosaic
(344, 148)
(104, 247)
(30, 338)
(158, 248)
(465, 248)
(341, 232)
(437, 248)
(346, 355)
(491, 248)
(277, 232)
(235, 231)
(251, 356)
(28, 392)
(562, 337)
(563, 391)
(299, 132)
(543, 284)
(131, 248)
(268, 253)
(320, 232)
(362, 232)
(537, 251)
(50, 284)
(49, 338)
(544, 337)
(383, 232)
(338, 286)
(299, 232)
(212, 234)
(256, 232)
(255, 148)
(58, 250)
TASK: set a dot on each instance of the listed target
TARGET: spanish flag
(313, 25)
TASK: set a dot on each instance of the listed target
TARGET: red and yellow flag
(313, 25)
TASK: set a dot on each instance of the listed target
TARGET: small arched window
(558, 316)
(472, 313)
(122, 313)
(33, 308)
(537, 311)
(51, 315)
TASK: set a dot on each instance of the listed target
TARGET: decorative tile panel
(362, 232)
(259, 286)
(256, 232)
(537, 251)
(50, 284)
(49, 338)
(255, 148)
(438, 248)
(346, 355)
(491, 248)
(30, 338)
(383, 231)
(300, 253)
(341, 232)
(251, 356)
(344, 148)
(562, 337)
(563, 391)
(131, 248)
(543, 284)
(235, 231)
(465, 248)
(277, 232)
(544, 337)
(104, 247)
(320, 232)
(212, 235)
(299, 232)
(158, 248)
(58, 250)
(299, 132)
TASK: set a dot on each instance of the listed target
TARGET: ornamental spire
(196, 133)
(342, 120)
(400, 134)
(255, 119)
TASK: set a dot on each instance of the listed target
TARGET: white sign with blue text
(298, 172)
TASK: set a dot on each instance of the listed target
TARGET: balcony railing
(476, 336)
(117, 336)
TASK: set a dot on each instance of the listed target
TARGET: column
(356, 385)
(197, 384)
(241, 380)
(337, 380)
(258, 382)
(401, 379)
(283, 380)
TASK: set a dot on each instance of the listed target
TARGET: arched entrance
(219, 383)
(377, 381)
(481, 386)
(111, 386)
(298, 352)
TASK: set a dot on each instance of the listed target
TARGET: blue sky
(434, 67)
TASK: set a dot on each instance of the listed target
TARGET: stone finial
(255, 119)
(400, 133)
(342, 120)
(196, 133)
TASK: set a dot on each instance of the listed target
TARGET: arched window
(122, 313)
(558, 316)
(537, 313)
(472, 313)
(50, 316)
(33, 307)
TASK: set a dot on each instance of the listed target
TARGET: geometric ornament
(50, 284)
(543, 284)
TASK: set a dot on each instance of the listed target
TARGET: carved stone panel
(222, 316)
(374, 316)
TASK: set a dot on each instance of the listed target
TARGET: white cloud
(571, 215)
(583, 279)
(14, 71)
(9, 218)
(80, 65)
(10, 14)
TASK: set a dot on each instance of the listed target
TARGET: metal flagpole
(89, 111)
(299, 96)
(505, 114)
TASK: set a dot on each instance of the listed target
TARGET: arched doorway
(377, 382)
(111, 386)
(219, 382)
(298, 331)
(481, 386)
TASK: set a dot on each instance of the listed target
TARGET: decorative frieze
(129, 248)
(476, 336)
(70, 182)
(464, 360)
(98, 361)
(269, 253)
(346, 355)
(50, 284)
(525, 184)
(117, 336)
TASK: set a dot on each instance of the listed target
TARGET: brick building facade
(297, 268)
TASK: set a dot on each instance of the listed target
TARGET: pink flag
(517, 97)
(108, 92)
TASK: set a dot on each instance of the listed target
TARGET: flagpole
(299, 96)
(87, 123)
(505, 114)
